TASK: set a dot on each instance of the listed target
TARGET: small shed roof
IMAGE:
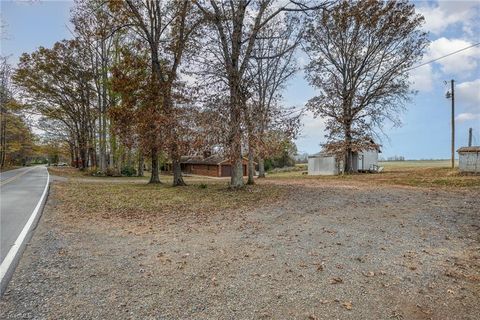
(469, 149)
(321, 154)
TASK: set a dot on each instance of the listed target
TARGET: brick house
(213, 166)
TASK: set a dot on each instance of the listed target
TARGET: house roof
(211, 160)
(469, 149)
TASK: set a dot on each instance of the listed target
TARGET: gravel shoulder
(321, 251)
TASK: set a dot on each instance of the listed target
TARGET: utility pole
(451, 94)
(470, 137)
(453, 123)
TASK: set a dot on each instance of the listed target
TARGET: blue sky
(425, 134)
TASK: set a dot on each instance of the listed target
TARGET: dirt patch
(320, 251)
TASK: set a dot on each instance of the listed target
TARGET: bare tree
(273, 64)
(359, 56)
(237, 25)
(94, 27)
(56, 132)
(5, 97)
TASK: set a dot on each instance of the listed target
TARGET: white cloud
(461, 64)
(443, 14)
(312, 134)
(455, 23)
(467, 98)
(422, 78)
(468, 93)
(462, 117)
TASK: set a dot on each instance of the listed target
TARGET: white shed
(469, 159)
(328, 164)
(323, 164)
(366, 160)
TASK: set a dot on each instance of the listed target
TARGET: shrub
(288, 169)
(128, 171)
(112, 172)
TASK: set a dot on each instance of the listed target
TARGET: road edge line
(9, 264)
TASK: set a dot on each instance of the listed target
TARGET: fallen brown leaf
(336, 280)
(347, 305)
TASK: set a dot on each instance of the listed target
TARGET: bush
(268, 164)
(89, 172)
(287, 169)
(128, 171)
(202, 186)
(112, 172)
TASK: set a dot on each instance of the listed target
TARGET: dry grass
(116, 249)
(421, 173)
(83, 196)
(144, 201)
(393, 165)
(70, 172)
(8, 168)
(414, 175)
(67, 172)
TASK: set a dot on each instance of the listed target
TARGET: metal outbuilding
(323, 164)
(328, 164)
(469, 159)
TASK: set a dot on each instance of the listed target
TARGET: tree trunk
(236, 179)
(102, 143)
(3, 139)
(348, 156)
(140, 165)
(103, 146)
(113, 150)
(261, 168)
(251, 167)
(93, 157)
(154, 177)
(83, 158)
(77, 158)
(177, 174)
(348, 166)
(72, 155)
(103, 111)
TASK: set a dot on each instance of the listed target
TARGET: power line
(447, 55)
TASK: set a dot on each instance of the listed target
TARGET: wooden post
(453, 123)
(470, 137)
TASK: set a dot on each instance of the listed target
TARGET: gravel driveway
(326, 251)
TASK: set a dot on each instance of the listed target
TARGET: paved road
(20, 192)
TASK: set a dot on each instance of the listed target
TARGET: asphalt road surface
(20, 192)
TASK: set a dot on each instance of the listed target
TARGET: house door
(226, 170)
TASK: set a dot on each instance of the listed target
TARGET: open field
(429, 174)
(391, 165)
(291, 248)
